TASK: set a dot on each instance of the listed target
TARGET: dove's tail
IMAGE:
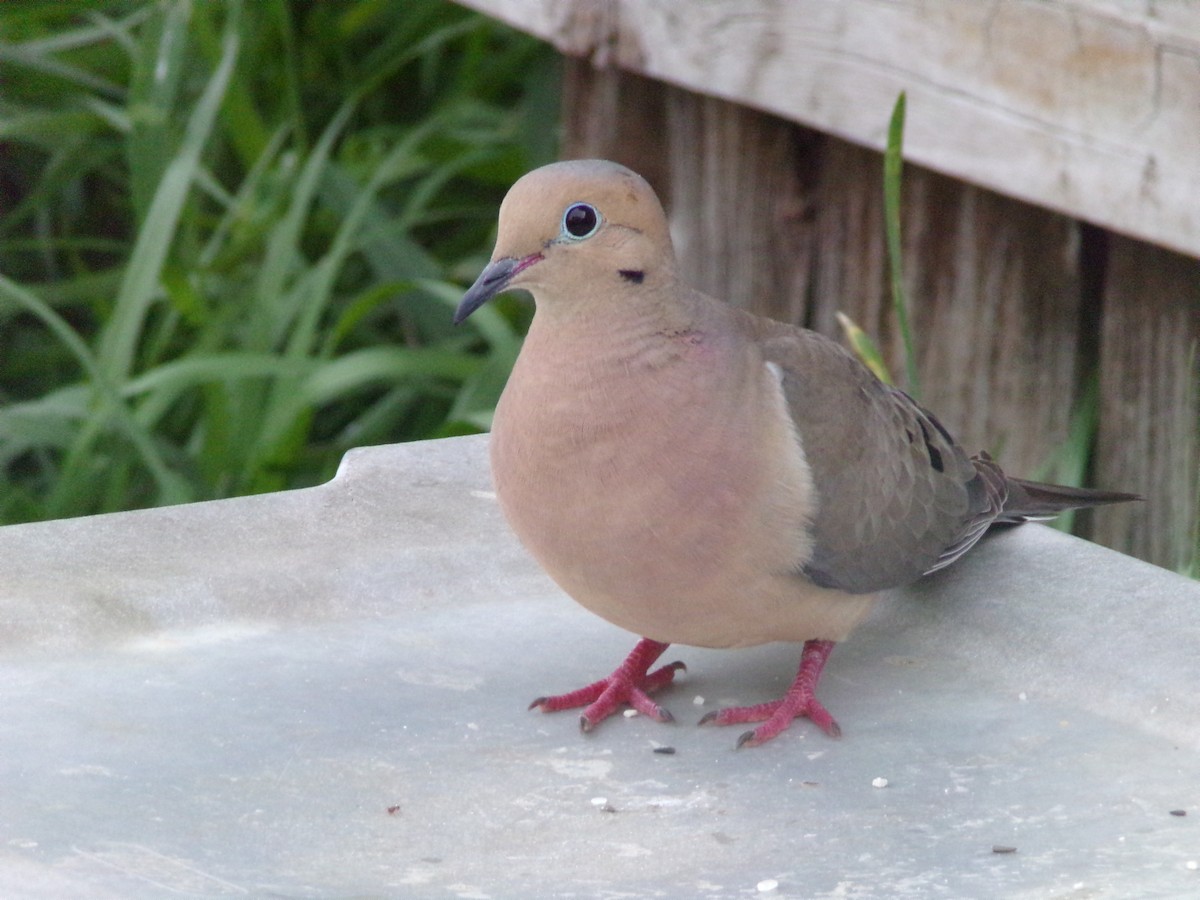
(1032, 501)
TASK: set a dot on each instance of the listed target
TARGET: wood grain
(739, 203)
(1150, 406)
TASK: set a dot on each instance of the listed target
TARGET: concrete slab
(322, 694)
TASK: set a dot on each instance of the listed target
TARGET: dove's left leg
(800, 700)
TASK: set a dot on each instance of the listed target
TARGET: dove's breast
(670, 507)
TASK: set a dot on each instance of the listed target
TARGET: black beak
(491, 281)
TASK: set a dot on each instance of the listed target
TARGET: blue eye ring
(580, 221)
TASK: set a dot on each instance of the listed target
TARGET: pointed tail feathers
(1014, 500)
(1032, 500)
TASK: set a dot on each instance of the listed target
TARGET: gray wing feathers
(897, 496)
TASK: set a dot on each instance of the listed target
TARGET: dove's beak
(491, 281)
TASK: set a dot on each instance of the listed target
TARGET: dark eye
(580, 220)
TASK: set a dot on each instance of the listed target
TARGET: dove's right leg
(631, 683)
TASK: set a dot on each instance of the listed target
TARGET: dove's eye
(580, 221)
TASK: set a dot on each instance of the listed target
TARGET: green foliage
(232, 235)
(1069, 461)
(862, 343)
(893, 168)
(865, 348)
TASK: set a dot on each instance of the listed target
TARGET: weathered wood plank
(1088, 107)
(610, 114)
(1150, 406)
(738, 203)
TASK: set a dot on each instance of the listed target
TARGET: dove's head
(582, 228)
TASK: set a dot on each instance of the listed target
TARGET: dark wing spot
(634, 275)
(938, 425)
(935, 455)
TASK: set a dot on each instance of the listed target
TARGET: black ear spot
(637, 276)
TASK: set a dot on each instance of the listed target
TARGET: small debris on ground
(767, 885)
(665, 751)
(697, 700)
(1003, 848)
(1179, 812)
(879, 782)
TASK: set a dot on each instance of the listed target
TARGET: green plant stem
(893, 166)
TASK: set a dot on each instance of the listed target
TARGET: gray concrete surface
(322, 694)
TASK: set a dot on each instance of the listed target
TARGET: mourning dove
(699, 475)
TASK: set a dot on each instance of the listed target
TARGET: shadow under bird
(696, 474)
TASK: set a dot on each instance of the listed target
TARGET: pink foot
(800, 700)
(631, 683)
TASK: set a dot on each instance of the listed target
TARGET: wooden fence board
(1150, 396)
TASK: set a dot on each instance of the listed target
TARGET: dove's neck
(646, 372)
(648, 332)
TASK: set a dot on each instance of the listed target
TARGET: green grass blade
(159, 70)
(893, 166)
(37, 60)
(865, 348)
(171, 487)
(1069, 462)
(372, 365)
(140, 284)
(273, 315)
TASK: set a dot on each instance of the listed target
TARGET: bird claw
(593, 716)
(630, 684)
(777, 715)
(618, 692)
